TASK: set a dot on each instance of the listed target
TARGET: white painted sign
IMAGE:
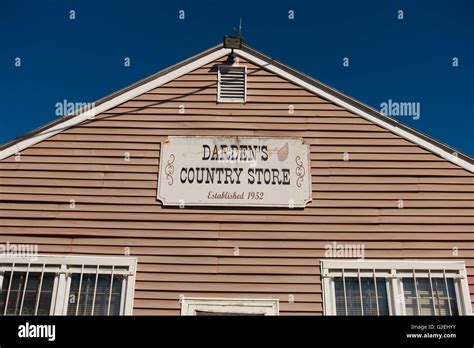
(234, 171)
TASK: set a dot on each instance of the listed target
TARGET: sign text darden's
(238, 171)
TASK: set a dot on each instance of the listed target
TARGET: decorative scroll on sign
(234, 171)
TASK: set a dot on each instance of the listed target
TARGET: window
(425, 298)
(232, 82)
(223, 306)
(355, 296)
(394, 288)
(67, 285)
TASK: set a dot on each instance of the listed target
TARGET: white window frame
(226, 100)
(65, 266)
(394, 271)
(190, 305)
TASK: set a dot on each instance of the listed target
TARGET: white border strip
(89, 114)
(398, 264)
(411, 137)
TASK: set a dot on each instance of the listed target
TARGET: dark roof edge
(307, 79)
(370, 110)
(111, 96)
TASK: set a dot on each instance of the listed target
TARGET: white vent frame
(231, 100)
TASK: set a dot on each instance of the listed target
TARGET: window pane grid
(431, 295)
(99, 294)
(38, 295)
(432, 292)
(95, 289)
(416, 292)
(110, 290)
(447, 292)
(345, 292)
(24, 288)
(8, 291)
(30, 288)
(360, 295)
(376, 294)
(79, 291)
(426, 291)
(21, 293)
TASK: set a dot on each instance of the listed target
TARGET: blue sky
(82, 60)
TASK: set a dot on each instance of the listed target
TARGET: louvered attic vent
(232, 84)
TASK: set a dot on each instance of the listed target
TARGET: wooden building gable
(87, 185)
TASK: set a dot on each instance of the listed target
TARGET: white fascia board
(90, 114)
(404, 134)
(15, 148)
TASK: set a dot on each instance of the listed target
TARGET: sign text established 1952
(234, 171)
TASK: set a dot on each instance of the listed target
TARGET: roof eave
(111, 96)
(363, 107)
(317, 87)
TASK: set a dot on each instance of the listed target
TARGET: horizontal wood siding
(191, 252)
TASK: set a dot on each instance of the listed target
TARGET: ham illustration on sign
(234, 171)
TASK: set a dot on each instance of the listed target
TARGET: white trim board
(121, 98)
(404, 134)
(230, 306)
(399, 264)
(267, 64)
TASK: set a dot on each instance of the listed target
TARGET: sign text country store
(234, 171)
